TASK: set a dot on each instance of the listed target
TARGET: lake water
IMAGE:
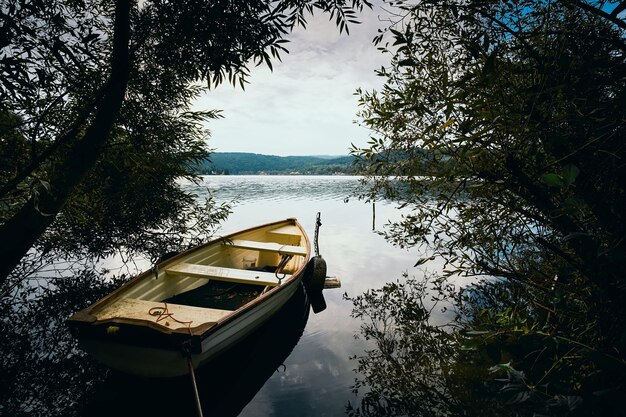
(298, 364)
(317, 376)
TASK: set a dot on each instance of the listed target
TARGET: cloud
(307, 104)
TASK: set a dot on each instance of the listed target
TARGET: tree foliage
(520, 107)
(235, 163)
(97, 94)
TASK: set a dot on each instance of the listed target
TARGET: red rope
(164, 313)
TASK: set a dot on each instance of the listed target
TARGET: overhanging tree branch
(20, 232)
(50, 150)
(599, 12)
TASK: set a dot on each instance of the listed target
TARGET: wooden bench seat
(268, 247)
(133, 308)
(289, 230)
(243, 276)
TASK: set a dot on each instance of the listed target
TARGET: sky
(306, 105)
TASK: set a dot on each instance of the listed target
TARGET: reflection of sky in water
(318, 373)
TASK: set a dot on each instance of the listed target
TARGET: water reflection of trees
(416, 367)
(44, 372)
(496, 356)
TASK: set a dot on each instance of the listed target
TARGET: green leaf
(569, 174)
(552, 180)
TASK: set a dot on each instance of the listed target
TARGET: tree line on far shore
(241, 163)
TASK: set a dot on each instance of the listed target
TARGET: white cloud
(307, 104)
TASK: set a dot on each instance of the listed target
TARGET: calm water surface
(298, 364)
(317, 376)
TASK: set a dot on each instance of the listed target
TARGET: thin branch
(71, 134)
(599, 12)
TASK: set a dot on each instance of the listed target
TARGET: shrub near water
(519, 107)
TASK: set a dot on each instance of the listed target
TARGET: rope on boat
(318, 223)
(162, 313)
(284, 260)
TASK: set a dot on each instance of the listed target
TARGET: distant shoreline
(283, 174)
(240, 163)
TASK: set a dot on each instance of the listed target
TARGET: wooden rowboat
(197, 303)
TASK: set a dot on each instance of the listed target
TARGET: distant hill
(239, 163)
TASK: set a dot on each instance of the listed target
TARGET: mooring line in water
(192, 375)
(373, 215)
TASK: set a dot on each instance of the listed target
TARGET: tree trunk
(19, 234)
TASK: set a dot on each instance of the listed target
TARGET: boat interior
(210, 282)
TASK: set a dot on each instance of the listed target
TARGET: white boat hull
(166, 363)
(124, 317)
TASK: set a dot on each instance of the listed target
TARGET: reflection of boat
(201, 301)
(226, 384)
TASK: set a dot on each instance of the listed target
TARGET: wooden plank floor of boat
(219, 295)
